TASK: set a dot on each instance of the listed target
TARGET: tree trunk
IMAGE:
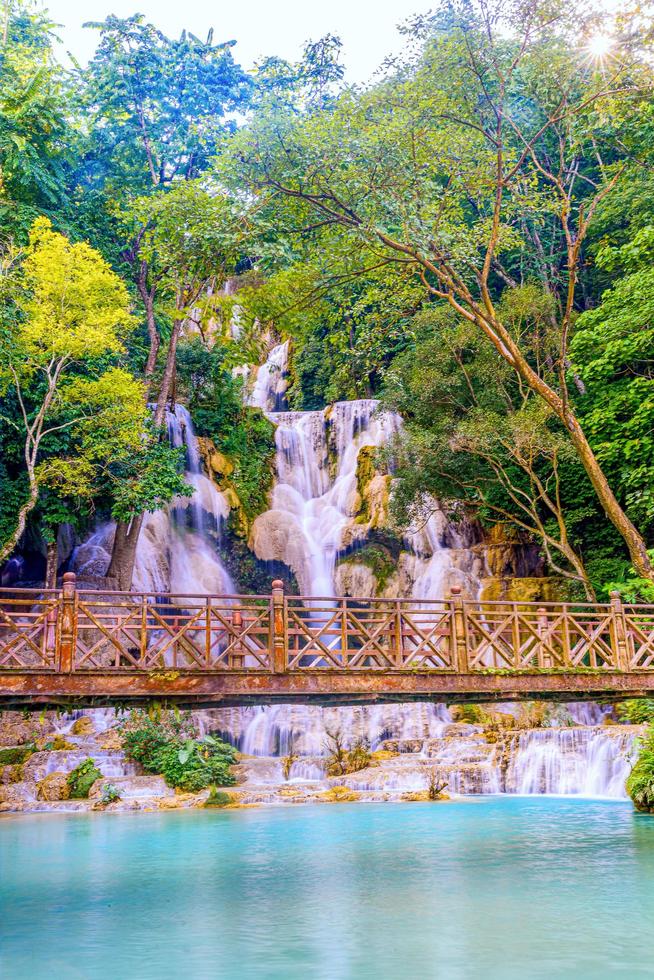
(123, 553)
(29, 505)
(147, 296)
(168, 375)
(51, 563)
(628, 531)
(634, 541)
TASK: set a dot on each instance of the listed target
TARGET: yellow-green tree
(79, 412)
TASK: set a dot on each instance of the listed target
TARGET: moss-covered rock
(373, 490)
(533, 589)
(14, 754)
(54, 743)
(338, 794)
(83, 726)
(54, 787)
(82, 778)
(640, 782)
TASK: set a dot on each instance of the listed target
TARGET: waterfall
(313, 510)
(269, 390)
(315, 518)
(570, 762)
(177, 546)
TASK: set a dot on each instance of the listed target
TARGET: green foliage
(109, 794)
(611, 350)
(380, 562)
(241, 433)
(218, 799)
(157, 105)
(79, 412)
(640, 782)
(632, 587)
(639, 711)
(16, 754)
(35, 125)
(168, 745)
(82, 778)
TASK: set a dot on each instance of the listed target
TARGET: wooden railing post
(543, 660)
(618, 633)
(68, 624)
(279, 628)
(237, 658)
(458, 627)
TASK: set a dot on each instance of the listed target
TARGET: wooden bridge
(73, 646)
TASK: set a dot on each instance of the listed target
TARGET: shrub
(109, 794)
(471, 714)
(216, 798)
(640, 711)
(82, 778)
(169, 746)
(640, 782)
(341, 760)
(435, 787)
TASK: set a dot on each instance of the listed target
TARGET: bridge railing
(69, 630)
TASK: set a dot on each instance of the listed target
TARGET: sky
(368, 28)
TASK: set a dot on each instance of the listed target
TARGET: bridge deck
(76, 646)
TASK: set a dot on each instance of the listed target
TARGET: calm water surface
(513, 888)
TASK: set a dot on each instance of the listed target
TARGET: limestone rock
(276, 536)
(16, 730)
(83, 726)
(111, 740)
(376, 497)
(215, 462)
(534, 589)
(53, 787)
(19, 792)
(354, 579)
(132, 787)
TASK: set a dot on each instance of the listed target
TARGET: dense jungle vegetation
(469, 238)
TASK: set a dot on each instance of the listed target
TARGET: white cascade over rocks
(177, 546)
(328, 500)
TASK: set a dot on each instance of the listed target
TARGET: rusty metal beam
(315, 686)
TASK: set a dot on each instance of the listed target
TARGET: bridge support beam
(313, 686)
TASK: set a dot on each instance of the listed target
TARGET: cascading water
(570, 762)
(177, 546)
(315, 518)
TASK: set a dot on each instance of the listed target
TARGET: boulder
(277, 535)
(83, 726)
(215, 462)
(54, 787)
(112, 740)
(355, 579)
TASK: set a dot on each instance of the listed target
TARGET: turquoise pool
(495, 888)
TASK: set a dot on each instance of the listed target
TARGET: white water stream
(311, 523)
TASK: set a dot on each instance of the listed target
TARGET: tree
(478, 441)
(81, 416)
(157, 110)
(503, 119)
(69, 308)
(191, 236)
(35, 130)
(612, 353)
